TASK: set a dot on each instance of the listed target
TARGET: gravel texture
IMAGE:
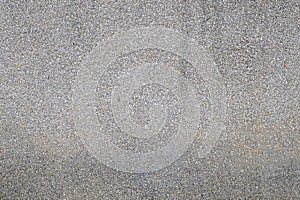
(254, 48)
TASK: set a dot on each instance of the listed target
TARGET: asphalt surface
(149, 100)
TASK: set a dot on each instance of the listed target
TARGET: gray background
(255, 45)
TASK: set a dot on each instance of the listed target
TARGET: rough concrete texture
(47, 48)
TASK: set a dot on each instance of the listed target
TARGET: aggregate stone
(255, 48)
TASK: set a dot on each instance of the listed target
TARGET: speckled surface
(255, 48)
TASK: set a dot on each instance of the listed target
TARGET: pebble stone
(255, 47)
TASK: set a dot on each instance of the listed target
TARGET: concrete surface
(149, 99)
